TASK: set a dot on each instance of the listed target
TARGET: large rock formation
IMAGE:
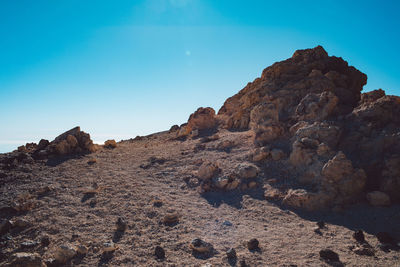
(341, 144)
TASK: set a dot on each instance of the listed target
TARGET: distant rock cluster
(342, 146)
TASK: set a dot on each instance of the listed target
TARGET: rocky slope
(286, 174)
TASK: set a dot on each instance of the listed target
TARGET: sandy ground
(226, 220)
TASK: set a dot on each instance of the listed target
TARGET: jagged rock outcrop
(203, 120)
(73, 141)
(341, 144)
(309, 85)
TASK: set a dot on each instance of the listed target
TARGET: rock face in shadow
(341, 144)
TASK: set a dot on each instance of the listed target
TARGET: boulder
(202, 120)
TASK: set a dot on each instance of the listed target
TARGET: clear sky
(125, 68)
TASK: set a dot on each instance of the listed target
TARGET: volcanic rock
(200, 246)
(70, 142)
(253, 244)
(159, 252)
(203, 120)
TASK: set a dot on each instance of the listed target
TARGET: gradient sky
(125, 68)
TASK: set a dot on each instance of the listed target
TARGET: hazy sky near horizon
(124, 68)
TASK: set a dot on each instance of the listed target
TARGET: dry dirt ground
(129, 183)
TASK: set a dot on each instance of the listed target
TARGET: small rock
(65, 253)
(157, 203)
(377, 198)
(359, 236)
(121, 225)
(200, 246)
(23, 259)
(227, 223)
(247, 170)
(110, 144)
(385, 238)
(253, 244)
(231, 253)
(29, 244)
(159, 252)
(92, 161)
(170, 219)
(109, 247)
(328, 254)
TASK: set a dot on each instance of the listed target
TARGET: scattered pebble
(159, 252)
(227, 223)
(253, 244)
(170, 219)
(231, 253)
(82, 249)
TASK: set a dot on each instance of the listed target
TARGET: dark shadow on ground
(117, 236)
(105, 258)
(371, 220)
(87, 196)
(233, 198)
(53, 162)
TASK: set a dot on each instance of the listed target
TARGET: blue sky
(125, 68)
